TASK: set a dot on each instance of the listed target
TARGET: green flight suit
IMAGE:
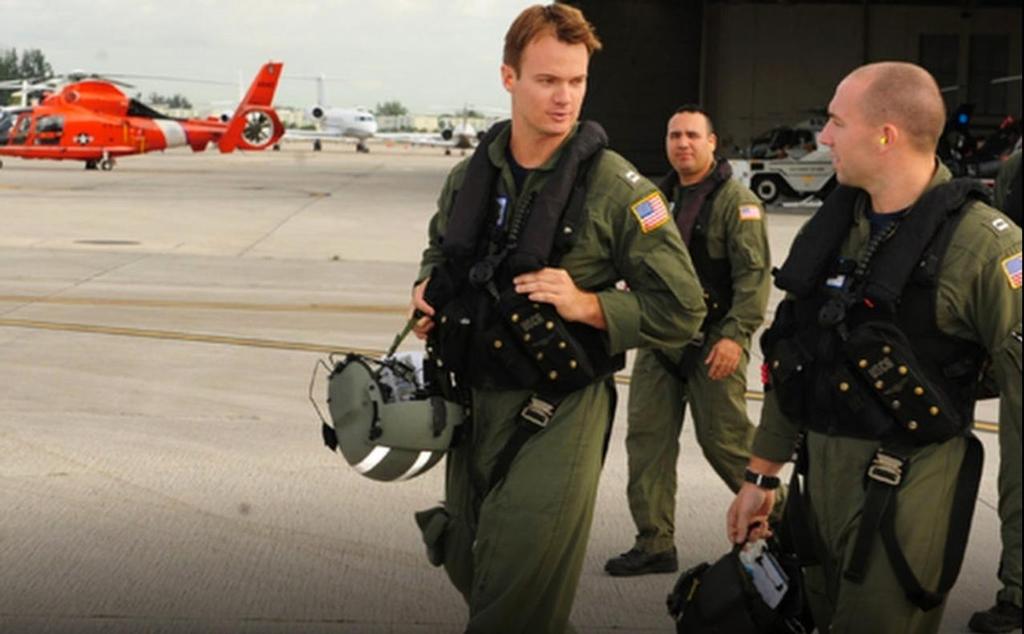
(1003, 180)
(516, 552)
(1009, 452)
(658, 397)
(978, 301)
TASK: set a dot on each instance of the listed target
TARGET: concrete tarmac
(162, 466)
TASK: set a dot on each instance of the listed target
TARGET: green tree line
(30, 64)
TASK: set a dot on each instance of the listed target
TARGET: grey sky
(428, 54)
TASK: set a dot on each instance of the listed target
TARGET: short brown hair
(906, 95)
(564, 22)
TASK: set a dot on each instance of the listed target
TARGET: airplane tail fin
(255, 125)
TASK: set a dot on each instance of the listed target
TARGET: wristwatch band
(760, 480)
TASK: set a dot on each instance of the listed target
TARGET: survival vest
(487, 335)
(855, 351)
(715, 273)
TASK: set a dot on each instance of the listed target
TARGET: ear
(890, 136)
(508, 77)
(713, 140)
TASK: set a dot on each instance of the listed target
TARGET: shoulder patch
(650, 211)
(1012, 270)
(750, 212)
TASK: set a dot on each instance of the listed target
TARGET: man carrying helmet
(518, 291)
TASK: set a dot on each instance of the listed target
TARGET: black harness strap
(534, 417)
(879, 515)
(885, 474)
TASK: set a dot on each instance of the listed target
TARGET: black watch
(766, 482)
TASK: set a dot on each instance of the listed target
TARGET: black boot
(1002, 617)
(638, 562)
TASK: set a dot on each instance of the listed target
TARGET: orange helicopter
(93, 121)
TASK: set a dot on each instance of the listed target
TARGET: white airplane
(335, 123)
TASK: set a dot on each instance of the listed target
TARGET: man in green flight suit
(1006, 614)
(901, 291)
(722, 224)
(520, 307)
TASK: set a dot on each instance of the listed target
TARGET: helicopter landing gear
(91, 164)
(107, 164)
(317, 145)
(362, 148)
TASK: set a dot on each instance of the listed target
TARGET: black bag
(721, 598)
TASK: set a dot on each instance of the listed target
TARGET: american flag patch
(750, 212)
(1011, 267)
(650, 211)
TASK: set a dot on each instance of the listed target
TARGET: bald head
(906, 96)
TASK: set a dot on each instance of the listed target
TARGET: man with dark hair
(518, 291)
(902, 290)
(722, 224)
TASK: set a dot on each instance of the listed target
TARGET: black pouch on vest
(720, 598)
(788, 362)
(454, 324)
(563, 364)
(498, 343)
(881, 355)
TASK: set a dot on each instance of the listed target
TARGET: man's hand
(426, 323)
(752, 504)
(555, 287)
(723, 359)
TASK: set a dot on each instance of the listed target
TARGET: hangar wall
(768, 65)
(757, 65)
(650, 65)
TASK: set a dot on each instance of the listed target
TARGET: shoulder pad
(630, 176)
(992, 222)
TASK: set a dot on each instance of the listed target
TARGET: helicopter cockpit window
(6, 121)
(49, 129)
(21, 130)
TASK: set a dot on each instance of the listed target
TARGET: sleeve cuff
(425, 271)
(773, 446)
(622, 315)
(730, 329)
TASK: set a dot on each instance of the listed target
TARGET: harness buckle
(887, 468)
(538, 412)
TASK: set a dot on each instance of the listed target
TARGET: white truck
(810, 175)
(787, 162)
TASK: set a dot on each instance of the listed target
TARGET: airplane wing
(292, 134)
(416, 138)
